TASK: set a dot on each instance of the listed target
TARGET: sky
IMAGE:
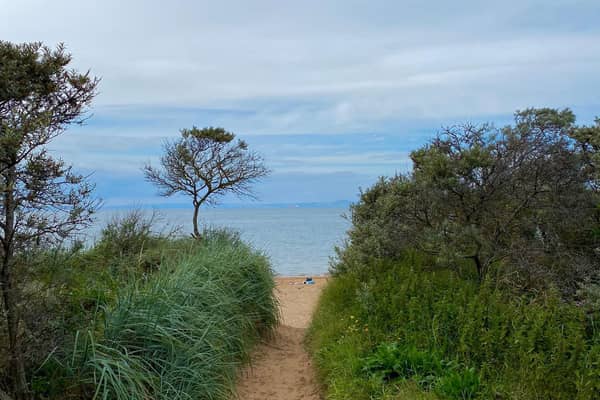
(333, 94)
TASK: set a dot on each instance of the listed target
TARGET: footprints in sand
(281, 369)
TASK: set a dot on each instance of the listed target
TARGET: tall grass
(182, 332)
(401, 330)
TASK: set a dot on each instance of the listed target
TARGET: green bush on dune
(183, 333)
(179, 332)
(401, 329)
(476, 274)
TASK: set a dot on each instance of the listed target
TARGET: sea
(298, 241)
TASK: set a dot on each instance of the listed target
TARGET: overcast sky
(333, 93)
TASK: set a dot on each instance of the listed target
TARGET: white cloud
(357, 61)
(314, 66)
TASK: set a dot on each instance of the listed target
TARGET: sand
(281, 369)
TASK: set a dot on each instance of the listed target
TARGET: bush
(66, 287)
(476, 274)
(448, 378)
(179, 333)
(128, 243)
(392, 360)
(449, 334)
(517, 204)
(463, 384)
(127, 234)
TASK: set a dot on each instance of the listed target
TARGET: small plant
(391, 360)
(385, 362)
(128, 234)
(448, 378)
(589, 296)
(460, 384)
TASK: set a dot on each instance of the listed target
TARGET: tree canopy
(206, 164)
(42, 200)
(521, 196)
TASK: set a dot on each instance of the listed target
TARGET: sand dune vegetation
(474, 276)
(470, 270)
(139, 314)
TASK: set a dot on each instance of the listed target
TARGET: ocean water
(299, 241)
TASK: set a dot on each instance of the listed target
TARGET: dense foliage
(145, 304)
(474, 276)
(403, 329)
(144, 315)
(42, 200)
(519, 202)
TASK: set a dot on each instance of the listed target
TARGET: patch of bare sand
(281, 369)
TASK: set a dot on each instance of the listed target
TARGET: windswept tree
(42, 201)
(503, 192)
(588, 140)
(206, 164)
(519, 197)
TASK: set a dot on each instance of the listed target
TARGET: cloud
(342, 71)
(317, 153)
(401, 57)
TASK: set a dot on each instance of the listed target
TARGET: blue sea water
(299, 241)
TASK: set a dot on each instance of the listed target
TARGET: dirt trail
(281, 369)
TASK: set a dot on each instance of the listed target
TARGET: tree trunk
(17, 364)
(479, 266)
(9, 294)
(196, 230)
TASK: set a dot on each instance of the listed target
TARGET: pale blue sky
(333, 93)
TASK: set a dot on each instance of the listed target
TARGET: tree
(588, 140)
(42, 201)
(519, 196)
(491, 184)
(206, 164)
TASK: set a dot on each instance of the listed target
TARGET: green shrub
(179, 333)
(392, 360)
(472, 199)
(127, 234)
(502, 345)
(462, 384)
(129, 245)
(448, 378)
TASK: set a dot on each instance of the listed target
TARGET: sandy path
(281, 369)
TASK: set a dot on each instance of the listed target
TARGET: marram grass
(183, 333)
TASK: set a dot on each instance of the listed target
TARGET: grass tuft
(181, 332)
